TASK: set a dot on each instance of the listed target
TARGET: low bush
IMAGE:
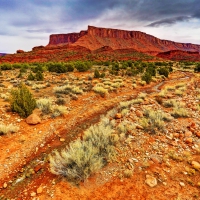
(96, 74)
(59, 110)
(84, 157)
(152, 120)
(45, 105)
(179, 112)
(10, 128)
(163, 71)
(100, 90)
(147, 77)
(39, 76)
(22, 101)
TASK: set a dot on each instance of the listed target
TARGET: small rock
(33, 119)
(189, 140)
(188, 134)
(39, 190)
(62, 139)
(176, 135)
(182, 184)
(118, 116)
(33, 194)
(196, 165)
(38, 168)
(138, 113)
(139, 127)
(5, 185)
(198, 134)
(155, 159)
(151, 181)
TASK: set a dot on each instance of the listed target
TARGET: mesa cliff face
(56, 39)
(95, 38)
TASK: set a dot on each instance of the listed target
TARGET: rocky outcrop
(38, 48)
(20, 51)
(178, 55)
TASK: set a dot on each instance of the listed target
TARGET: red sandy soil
(24, 170)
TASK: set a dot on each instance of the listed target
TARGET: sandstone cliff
(96, 38)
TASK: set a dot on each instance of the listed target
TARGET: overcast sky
(28, 23)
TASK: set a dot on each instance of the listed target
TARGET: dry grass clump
(153, 120)
(64, 89)
(127, 104)
(100, 90)
(142, 83)
(107, 83)
(38, 86)
(4, 96)
(59, 111)
(170, 88)
(142, 95)
(10, 128)
(84, 157)
(45, 105)
(162, 93)
(178, 109)
(77, 90)
(77, 162)
(128, 173)
(178, 92)
(180, 85)
(170, 103)
(179, 112)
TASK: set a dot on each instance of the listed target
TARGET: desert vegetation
(108, 120)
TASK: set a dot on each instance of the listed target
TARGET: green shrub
(57, 67)
(81, 66)
(151, 70)
(147, 77)
(96, 73)
(197, 68)
(163, 71)
(70, 67)
(39, 76)
(31, 77)
(6, 66)
(22, 101)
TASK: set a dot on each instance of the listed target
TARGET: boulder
(151, 181)
(33, 119)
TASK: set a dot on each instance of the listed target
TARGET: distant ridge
(96, 38)
(3, 54)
